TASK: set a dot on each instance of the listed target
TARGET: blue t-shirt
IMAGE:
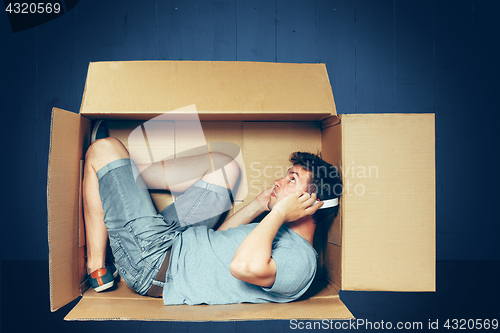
(199, 268)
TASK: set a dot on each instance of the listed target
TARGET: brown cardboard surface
(67, 141)
(81, 225)
(331, 141)
(124, 304)
(388, 202)
(333, 264)
(148, 88)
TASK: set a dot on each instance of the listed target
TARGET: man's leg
(182, 172)
(179, 174)
(99, 154)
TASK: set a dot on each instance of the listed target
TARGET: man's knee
(230, 166)
(104, 151)
(104, 146)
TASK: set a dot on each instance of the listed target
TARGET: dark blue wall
(382, 56)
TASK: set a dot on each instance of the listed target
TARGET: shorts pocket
(123, 261)
(149, 233)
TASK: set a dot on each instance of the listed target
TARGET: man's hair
(325, 181)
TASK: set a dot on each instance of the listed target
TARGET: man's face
(297, 178)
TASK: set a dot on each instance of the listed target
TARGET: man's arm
(252, 261)
(248, 213)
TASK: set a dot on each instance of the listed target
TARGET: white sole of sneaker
(104, 286)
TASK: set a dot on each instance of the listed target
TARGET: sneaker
(113, 270)
(100, 131)
(103, 278)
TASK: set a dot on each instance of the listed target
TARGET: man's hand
(252, 261)
(263, 199)
(297, 205)
(248, 213)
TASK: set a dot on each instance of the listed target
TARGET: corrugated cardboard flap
(220, 90)
(63, 205)
(124, 304)
(388, 202)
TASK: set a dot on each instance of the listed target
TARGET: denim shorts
(139, 236)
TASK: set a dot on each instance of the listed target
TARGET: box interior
(263, 164)
(382, 239)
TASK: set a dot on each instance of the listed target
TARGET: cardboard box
(382, 239)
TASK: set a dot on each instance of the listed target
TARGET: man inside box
(177, 254)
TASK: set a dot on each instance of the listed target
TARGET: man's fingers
(298, 194)
(309, 199)
(312, 209)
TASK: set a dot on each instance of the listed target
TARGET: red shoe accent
(98, 273)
